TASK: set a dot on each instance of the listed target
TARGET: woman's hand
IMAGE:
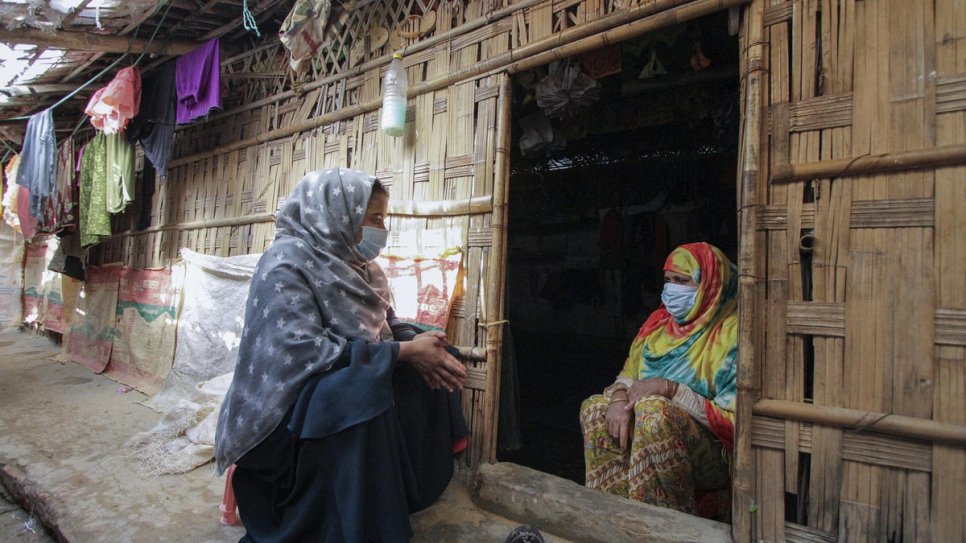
(650, 387)
(427, 354)
(620, 421)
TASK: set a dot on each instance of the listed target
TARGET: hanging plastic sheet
(11, 276)
(147, 308)
(302, 31)
(112, 106)
(209, 325)
(90, 338)
(566, 91)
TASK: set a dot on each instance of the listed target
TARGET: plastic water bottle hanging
(394, 88)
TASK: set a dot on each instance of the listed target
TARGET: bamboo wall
(229, 174)
(857, 278)
(851, 417)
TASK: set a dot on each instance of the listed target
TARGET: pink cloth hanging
(113, 106)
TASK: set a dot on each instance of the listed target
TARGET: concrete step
(582, 514)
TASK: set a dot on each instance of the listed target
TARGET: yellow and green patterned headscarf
(702, 351)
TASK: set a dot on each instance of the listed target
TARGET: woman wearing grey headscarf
(334, 427)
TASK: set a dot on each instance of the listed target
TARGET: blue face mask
(373, 242)
(678, 299)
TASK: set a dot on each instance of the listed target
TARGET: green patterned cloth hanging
(95, 220)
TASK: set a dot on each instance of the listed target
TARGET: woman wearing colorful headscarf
(663, 432)
(337, 429)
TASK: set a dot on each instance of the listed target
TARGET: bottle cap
(397, 55)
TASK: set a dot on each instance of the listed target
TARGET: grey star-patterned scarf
(311, 293)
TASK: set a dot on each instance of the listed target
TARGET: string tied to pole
(248, 20)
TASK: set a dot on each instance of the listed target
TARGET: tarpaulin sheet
(90, 338)
(147, 312)
(11, 276)
(210, 323)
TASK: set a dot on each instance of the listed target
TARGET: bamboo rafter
(82, 41)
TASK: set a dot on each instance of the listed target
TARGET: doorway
(617, 157)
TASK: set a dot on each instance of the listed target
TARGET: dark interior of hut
(618, 156)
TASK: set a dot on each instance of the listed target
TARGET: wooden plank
(947, 500)
(898, 213)
(860, 513)
(951, 93)
(857, 446)
(951, 326)
(773, 376)
(820, 113)
(867, 339)
(816, 318)
(879, 450)
(770, 492)
(777, 13)
(768, 432)
(779, 133)
(796, 533)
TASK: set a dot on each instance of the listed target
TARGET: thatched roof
(49, 48)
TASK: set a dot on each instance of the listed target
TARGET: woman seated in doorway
(337, 431)
(663, 432)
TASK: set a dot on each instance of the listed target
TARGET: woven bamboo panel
(862, 278)
(865, 275)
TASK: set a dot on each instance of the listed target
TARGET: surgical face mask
(678, 299)
(373, 242)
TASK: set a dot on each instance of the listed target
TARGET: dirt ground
(62, 434)
(17, 525)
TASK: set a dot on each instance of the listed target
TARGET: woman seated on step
(662, 433)
(337, 431)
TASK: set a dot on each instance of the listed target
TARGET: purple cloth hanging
(198, 81)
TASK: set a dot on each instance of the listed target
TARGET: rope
(75, 91)
(248, 20)
(153, 34)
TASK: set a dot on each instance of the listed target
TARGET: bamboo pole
(495, 275)
(749, 276)
(885, 423)
(33, 90)
(602, 32)
(588, 35)
(84, 41)
(479, 205)
(949, 155)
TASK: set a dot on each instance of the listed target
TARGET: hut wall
(858, 279)
(853, 247)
